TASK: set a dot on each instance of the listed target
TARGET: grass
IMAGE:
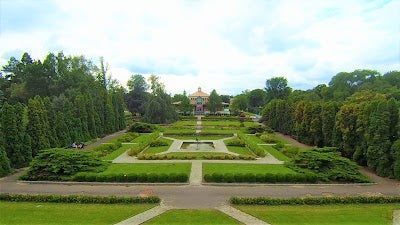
(255, 139)
(240, 150)
(275, 153)
(210, 168)
(219, 131)
(352, 214)
(117, 152)
(192, 217)
(226, 123)
(179, 131)
(148, 168)
(67, 213)
(154, 150)
(198, 155)
(185, 123)
(192, 137)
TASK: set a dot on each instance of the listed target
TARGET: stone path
(396, 217)
(146, 215)
(105, 139)
(292, 140)
(196, 174)
(198, 125)
(240, 216)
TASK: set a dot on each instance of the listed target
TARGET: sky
(228, 45)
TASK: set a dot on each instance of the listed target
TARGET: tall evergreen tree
(38, 125)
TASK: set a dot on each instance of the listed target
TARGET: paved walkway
(146, 215)
(396, 217)
(292, 140)
(196, 173)
(105, 139)
(240, 216)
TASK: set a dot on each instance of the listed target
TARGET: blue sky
(225, 45)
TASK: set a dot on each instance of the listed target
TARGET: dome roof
(199, 93)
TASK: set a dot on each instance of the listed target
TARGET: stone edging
(102, 183)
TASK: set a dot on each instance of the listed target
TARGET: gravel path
(396, 217)
(196, 174)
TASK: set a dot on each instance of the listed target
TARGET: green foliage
(82, 199)
(5, 167)
(260, 178)
(132, 177)
(252, 145)
(396, 158)
(277, 88)
(59, 164)
(258, 129)
(142, 127)
(158, 143)
(315, 200)
(214, 102)
(190, 156)
(328, 165)
(235, 142)
(142, 143)
(269, 138)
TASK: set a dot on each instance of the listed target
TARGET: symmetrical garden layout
(200, 153)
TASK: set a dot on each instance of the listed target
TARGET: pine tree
(5, 167)
(328, 115)
(396, 158)
(91, 121)
(109, 117)
(37, 125)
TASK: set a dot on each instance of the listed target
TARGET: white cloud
(224, 45)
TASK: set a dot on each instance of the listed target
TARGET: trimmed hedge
(112, 145)
(82, 199)
(132, 177)
(192, 156)
(226, 118)
(145, 140)
(315, 200)
(142, 127)
(260, 178)
(253, 146)
(235, 142)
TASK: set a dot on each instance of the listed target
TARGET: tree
(137, 83)
(38, 125)
(256, 99)
(185, 107)
(277, 88)
(156, 86)
(5, 167)
(396, 158)
(214, 102)
(239, 103)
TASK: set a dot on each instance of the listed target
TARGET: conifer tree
(37, 125)
(5, 167)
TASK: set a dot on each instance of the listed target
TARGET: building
(199, 99)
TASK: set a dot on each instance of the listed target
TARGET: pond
(197, 146)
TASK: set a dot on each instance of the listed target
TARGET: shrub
(290, 151)
(142, 127)
(142, 177)
(81, 199)
(158, 143)
(229, 177)
(61, 164)
(143, 142)
(269, 138)
(235, 142)
(315, 200)
(253, 146)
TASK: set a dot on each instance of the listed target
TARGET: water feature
(197, 146)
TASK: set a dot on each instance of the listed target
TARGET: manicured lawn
(210, 168)
(193, 137)
(255, 139)
(275, 153)
(360, 214)
(67, 213)
(148, 168)
(179, 131)
(226, 123)
(185, 123)
(192, 217)
(117, 152)
(154, 150)
(219, 131)
(239, 150)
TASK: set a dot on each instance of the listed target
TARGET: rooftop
(199, 93)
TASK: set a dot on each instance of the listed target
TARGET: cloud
(229, 46)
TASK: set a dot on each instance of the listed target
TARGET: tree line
(358, 112)
(63, 100)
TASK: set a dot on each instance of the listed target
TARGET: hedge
(132, 177)
(85, 199)
(142, 127)
(315, 200)
(192, 156)
(253, 146)
(259, 178)
(145, 141)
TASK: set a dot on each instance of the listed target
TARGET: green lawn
(275, 153)
(148, 168)
(198, 155)
(185, 123)
(226, 123)
(20, 213)
(255, 139)
(210, 168)
(154, 150)
(179, 131)
(360, 214)
(117, 152)
(192, 217)
(219, 131)
(240, 150)
(193, 137)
